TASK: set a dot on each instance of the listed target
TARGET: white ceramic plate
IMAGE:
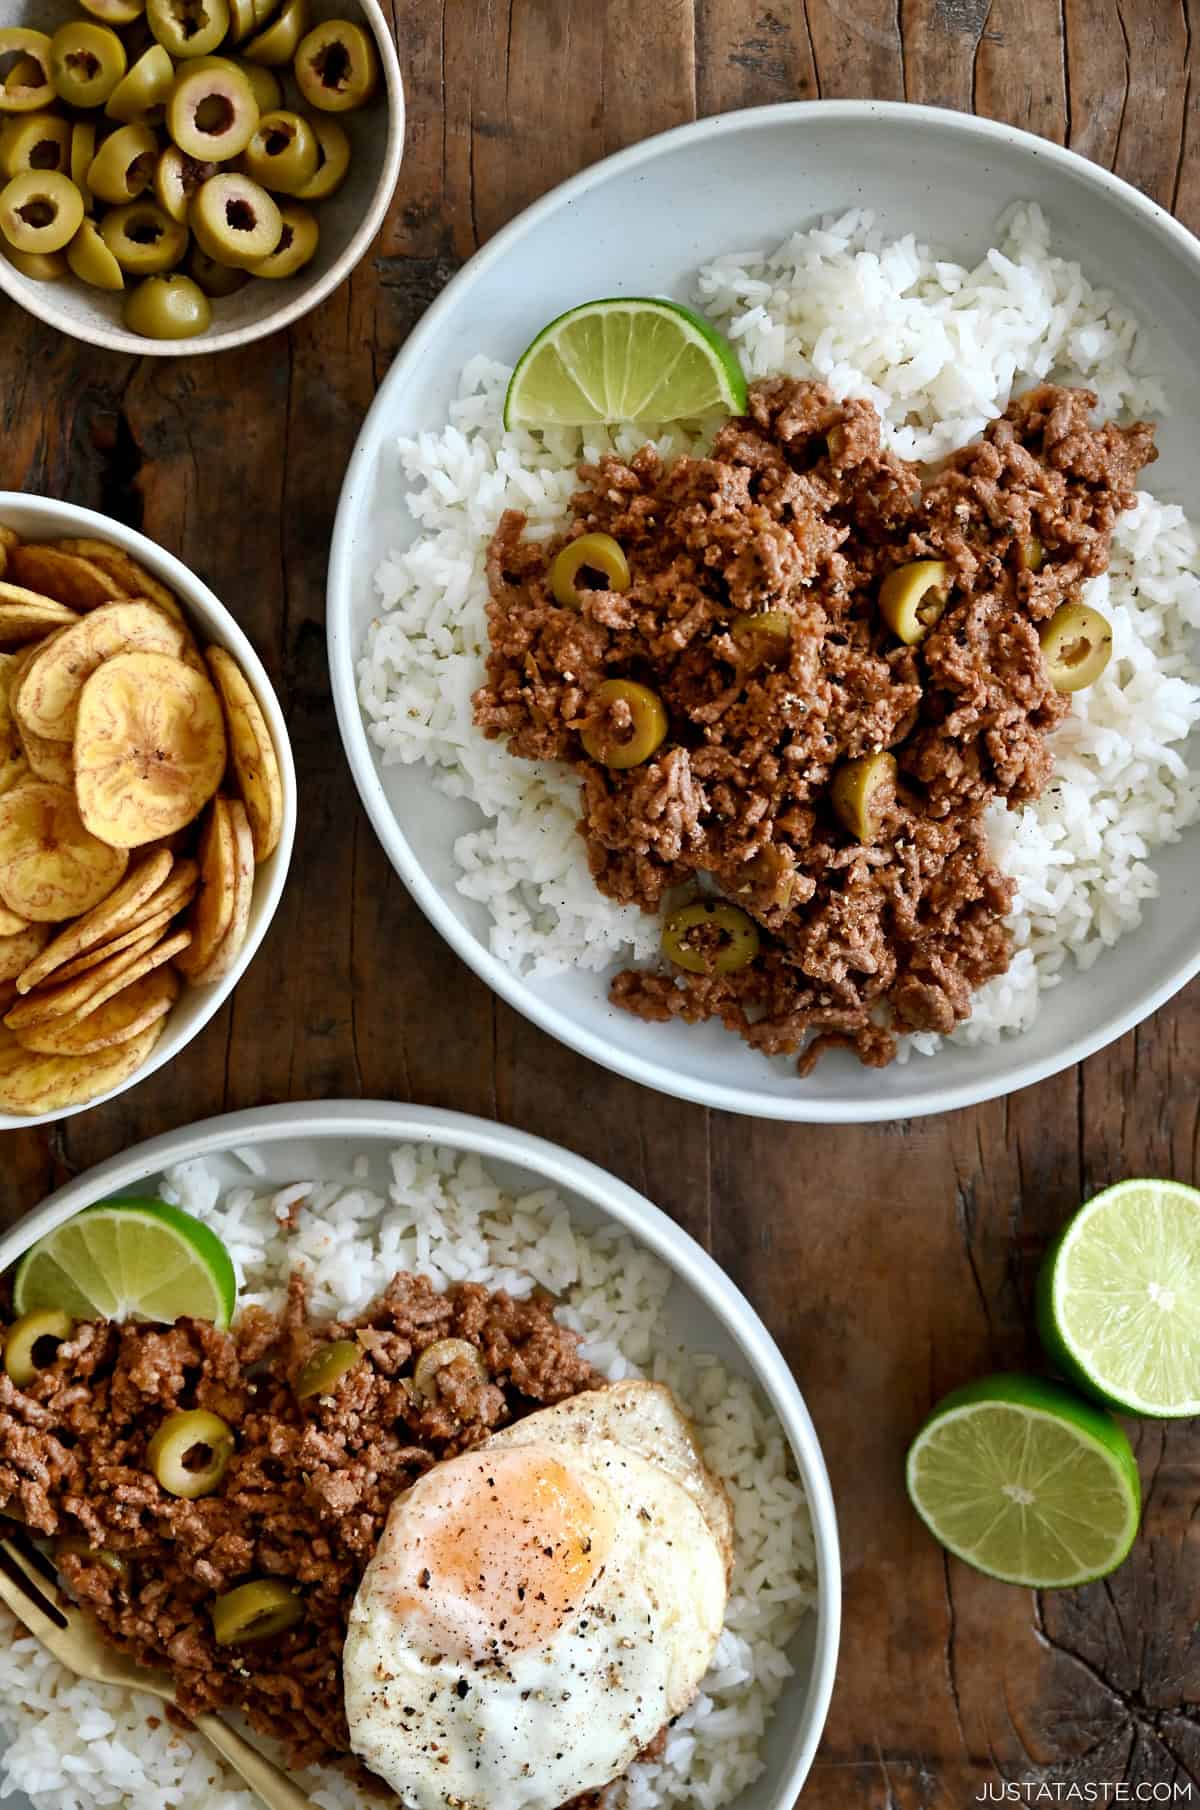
(640, 223)
(42, 518)
(706, 1312)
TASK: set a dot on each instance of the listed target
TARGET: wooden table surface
(892, 1262)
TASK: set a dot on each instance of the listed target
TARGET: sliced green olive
(255, 1611)
(337, 66)
(38, 141)
(262, 83)
(142, 238)
(283, 153)
(710, 937)
(596, 553)
(913, 598)
(632, 724)
(190, 1453)
(216, 280)
(167, 307)
(859, 791)
(24, 70)
(762, 634)
(31, 1343)
(277, 44)
(435, 1357)
(241, 20)
(212, 115)
(324, 1368)
(92, 261)
(1032, 554)
(298, 240)
(86, 63)
(115, 12)
(144, 92)
(40, 210)
(1076, 645)
(176, 179)
(83, 154)
(38, 266)
(235, 220)
(333, 160)
(75, 1544)
(123, 167)
(188, 28)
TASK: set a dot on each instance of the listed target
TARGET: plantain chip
(11, 922)
(222, 960)
(64, 576)
(49, 761)
(27, 615)
(116, 913)
(13, 765)
(255, 765)
(175, 894)
(32, 1084)
(149, 748)
(212, 912)
(51, 866)
(116, 1021)
(71, 999)
(145, 935)
(120, 567)
(18, 949)
(46, 700)
(155, 957)
(8, 540)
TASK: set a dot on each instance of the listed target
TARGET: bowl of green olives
(183, 176)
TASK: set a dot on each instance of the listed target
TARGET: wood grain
(891, 1264)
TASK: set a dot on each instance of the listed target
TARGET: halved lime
(625, 358)
(1119, 1298)
(1027, 1482)
(129, 1260)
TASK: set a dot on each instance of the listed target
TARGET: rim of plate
(912, 1102)
(688, 1261)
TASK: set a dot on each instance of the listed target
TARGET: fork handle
(274, 1787)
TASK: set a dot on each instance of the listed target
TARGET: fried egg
(538, 1608)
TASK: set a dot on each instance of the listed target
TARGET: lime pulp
(129, 1260)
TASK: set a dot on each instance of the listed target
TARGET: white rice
(78, 1746)
(939, 350)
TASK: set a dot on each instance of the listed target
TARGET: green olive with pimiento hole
(587, 553)
(176, 179)
(912, 598)
(212, 115)
(263, 83)
(336, 66)
(86, 63)
(190, 1453)
(283, 153)
(38, 266)
(172, 306)
(115, 12)
(437, 1356)
(31, 1343)
(188, 28)
(142, 238)
(142, 95)
(75, 1544)
(277, 45)
(1076, 646)
(324, 1368)
(618, 745)
(37, 141)
(40, 211)
(216, 280)
(255, 1611)
(859, 791)
(92, 261)
(123, 167)
(80, 159)
(26, 85)
(738, 934)
(235, 220)
(241, 20)
(333, 161)
(299, 237)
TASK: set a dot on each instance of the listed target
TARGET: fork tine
(26, 1602)
(13, 1534)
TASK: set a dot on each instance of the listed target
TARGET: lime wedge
(1026, 1482)
(1119, 1298)
(627, 358)
(129, 1260)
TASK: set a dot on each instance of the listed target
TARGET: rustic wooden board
(891, 1264)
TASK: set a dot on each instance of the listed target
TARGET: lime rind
(624, 358)
(1118, 1299)
(130, 1259)
(1026, 1482)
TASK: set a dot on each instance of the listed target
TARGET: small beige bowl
(349, 220)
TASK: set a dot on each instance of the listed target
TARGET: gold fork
(76, 1643)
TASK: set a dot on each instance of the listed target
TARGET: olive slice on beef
(31, 1343)
(324, 1368)
(860, 789)
(1076, 646)
(190, 1453)
(1032, 554)
(435, 1357)
(255, 1611)
(626, 723)
(75, 1544)
(577, 567)
(762, 632)
(912, 598)
(710, 937)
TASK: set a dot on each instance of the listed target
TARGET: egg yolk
(492, 1552)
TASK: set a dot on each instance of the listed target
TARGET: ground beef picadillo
(306, 1494)
(799, 510)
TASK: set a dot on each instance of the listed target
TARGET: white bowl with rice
(943, 263)
(355, 1191)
